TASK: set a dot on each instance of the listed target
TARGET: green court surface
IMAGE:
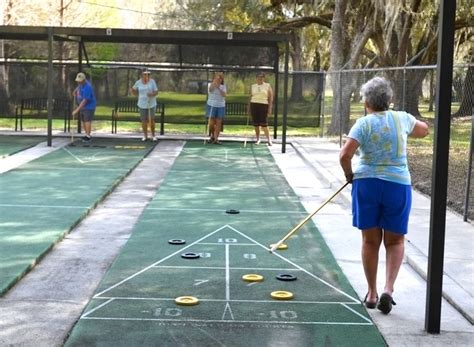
(42, 200)
(135, 302)
(12, 144)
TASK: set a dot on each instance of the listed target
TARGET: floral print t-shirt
(382, 137)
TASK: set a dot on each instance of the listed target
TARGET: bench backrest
(236, 109)
(131, 106)
(41, 104)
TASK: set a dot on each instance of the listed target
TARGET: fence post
(469, 168)
(323, 98)
(340, 108)
(404, 89)
(50, 86)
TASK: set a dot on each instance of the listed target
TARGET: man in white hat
(86, 104)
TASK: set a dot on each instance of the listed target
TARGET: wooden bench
(37, 108)
(128, 111)
(235, 113)
(236, 109)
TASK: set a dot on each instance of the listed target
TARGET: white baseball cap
(81, 77)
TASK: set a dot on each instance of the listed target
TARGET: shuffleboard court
(44, 199)
(135, 302)
(13, 144)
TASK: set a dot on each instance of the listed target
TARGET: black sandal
(385, 303)
(370, 304)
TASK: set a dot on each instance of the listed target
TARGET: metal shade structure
(216, 49)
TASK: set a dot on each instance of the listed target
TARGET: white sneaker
(154, 139)
(144, 139)
(257, 142)
(269, 143)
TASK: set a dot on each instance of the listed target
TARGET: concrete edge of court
(42, 309)
(320, 157)
(36, 152)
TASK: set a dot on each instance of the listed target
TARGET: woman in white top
(215, 106)
(260, 106)
(146, 89)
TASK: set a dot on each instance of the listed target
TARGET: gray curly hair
(377, 93)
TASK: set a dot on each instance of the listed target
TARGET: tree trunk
(3, 82)
(345, 53)
(467, 96)
(432, 92)
(116, 84)
(297, 80)
(407, 86)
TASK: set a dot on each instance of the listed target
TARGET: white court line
(96, 308)
(85, 168)
(243, 235)
(156, 263)
(18, 159)
(227, 273)
(227, 309)
(223, 268)
(72, 155)
(220, 244)
(297, 266)
(357, 313)
(281, 302)
(222, 210)
(218, 162)
(225, 321)
(44, 206)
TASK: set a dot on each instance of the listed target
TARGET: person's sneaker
(269, 143)
(86, 139)
(144, 139)
(154, 139)
(257, 142)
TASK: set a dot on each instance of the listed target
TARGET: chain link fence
(414, 91)
(319, 104)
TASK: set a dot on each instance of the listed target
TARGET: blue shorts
(379, 203)
(86, 115)
(215, 112)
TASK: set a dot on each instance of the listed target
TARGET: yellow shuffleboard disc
(282, 295)
(252, 278)
(186, 300)
(130, 147)
(282, 246)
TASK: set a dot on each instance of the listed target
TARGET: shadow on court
(44, 199)
(10, 145)
(135, 303)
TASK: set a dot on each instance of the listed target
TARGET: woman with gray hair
(381, 184)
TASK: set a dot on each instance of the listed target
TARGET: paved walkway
(34, 315)
(311, 166)
(43, 307)
(14, 161)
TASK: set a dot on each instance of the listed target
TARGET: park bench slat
(130, 106)
(37, 108)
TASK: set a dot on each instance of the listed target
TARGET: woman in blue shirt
(381, 184)
(215, 106)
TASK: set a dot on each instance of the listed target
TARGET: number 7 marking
(198, 282)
